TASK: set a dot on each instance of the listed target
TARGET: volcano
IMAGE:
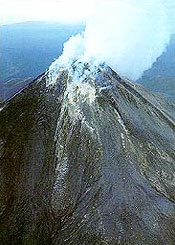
(87, 157)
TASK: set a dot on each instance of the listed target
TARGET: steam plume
(126, 34)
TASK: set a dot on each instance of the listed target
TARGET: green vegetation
(28, 48)
(160, 78)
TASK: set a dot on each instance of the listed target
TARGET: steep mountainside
(160, 78)
(89, 159)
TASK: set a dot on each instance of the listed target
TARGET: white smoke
(126, 34)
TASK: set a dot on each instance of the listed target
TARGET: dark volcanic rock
(87, 160)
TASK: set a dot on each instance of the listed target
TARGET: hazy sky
(14, 11)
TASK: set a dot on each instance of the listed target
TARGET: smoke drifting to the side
(126, 34)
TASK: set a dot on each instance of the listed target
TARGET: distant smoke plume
(126, 34)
